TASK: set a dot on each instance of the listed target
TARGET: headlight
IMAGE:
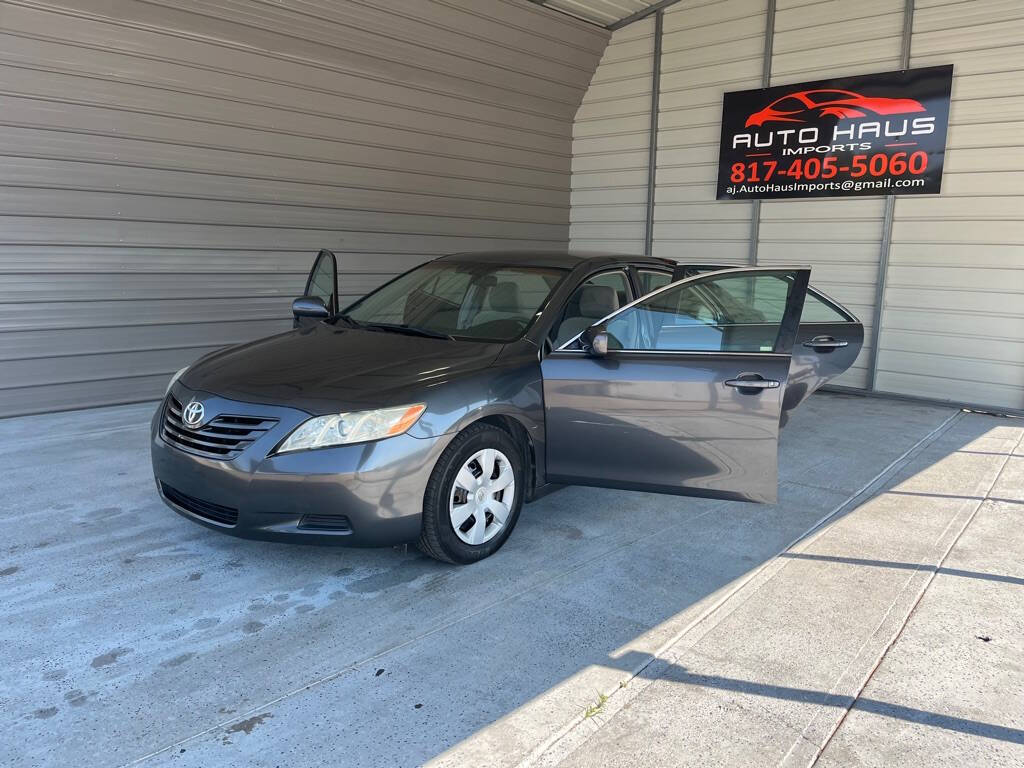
(174, 378)
(354, 427)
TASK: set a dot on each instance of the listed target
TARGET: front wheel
(473, 497)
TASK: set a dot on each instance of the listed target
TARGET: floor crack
(913, 608)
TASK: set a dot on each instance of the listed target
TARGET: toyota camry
(431, 409)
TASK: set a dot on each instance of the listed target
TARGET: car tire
(446, 495)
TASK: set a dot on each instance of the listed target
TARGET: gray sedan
(431, 409)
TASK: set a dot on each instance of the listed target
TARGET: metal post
(652, 156)
(641, 14)
(766, 79)
(887, 222)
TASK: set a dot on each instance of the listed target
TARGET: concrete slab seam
(890, 616)
(560, 744)
(913, 608)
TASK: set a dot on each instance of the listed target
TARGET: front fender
(513, 389)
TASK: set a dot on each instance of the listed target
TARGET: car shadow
(387, 655)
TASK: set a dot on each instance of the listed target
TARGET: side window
(752, 300)
(652, 280)
(323, 280)
(741, 313)
(617, 281)
(595, 299)
(817, 311)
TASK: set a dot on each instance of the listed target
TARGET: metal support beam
(632, 18)
(640, 15)
(652, 153)
(908, 33)
(766, 79)
(887, 222)
(880, 280)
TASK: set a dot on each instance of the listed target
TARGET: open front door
(321, 289)
(688, 397)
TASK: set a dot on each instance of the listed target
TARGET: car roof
(560, 259)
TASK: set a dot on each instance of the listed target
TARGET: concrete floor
(613, 628)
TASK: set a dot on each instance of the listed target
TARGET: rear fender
(810, 369)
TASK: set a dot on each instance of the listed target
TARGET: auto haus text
(844, 138)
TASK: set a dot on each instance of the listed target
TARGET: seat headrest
(504, 297)
(597, 301)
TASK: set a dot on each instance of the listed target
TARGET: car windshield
(464, 300)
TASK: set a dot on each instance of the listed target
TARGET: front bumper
(369, 494)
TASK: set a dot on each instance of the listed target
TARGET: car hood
(326, 369)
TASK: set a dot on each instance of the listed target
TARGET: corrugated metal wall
(170, 168)
(708, 48)
(953, 325)
(953, 319)
(611, 139)
(840, 238)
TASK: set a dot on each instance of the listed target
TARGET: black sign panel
(881, 134)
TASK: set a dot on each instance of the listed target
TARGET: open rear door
(688, 397)
(827, 344)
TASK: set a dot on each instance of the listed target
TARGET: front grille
(207, 510)
(338, 523)
(224, 437)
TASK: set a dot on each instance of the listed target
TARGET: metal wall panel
(841, 239)
(953, 321)
(611, 137)
(170, 168)
(709, 48)
(953, 317)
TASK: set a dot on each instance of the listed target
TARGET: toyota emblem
(193, 414)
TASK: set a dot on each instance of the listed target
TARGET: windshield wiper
(411, 330)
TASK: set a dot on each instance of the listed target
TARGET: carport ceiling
(610, 14)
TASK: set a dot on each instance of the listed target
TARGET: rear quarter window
(817, 310)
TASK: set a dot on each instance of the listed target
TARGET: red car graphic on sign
(806, 106)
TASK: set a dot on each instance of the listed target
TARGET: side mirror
(595, 341)
(310, 306)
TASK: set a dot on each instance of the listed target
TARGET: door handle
(754, 383)
(825, 343)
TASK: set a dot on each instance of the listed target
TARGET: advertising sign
(881, 134)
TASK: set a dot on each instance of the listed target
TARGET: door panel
(663, 423)
(827, 344)
(655, 415)
(814, 366)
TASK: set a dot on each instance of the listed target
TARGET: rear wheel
(473, 497)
